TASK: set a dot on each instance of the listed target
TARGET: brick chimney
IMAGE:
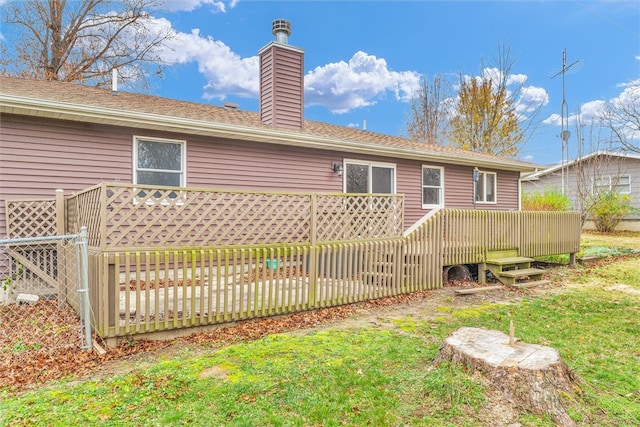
(282, 80)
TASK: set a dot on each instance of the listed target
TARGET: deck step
(524, 285)
(522, 272)
(510, 260)
(469, 291)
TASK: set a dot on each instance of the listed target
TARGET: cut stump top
(494, 349)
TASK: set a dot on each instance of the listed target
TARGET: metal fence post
(83, 290)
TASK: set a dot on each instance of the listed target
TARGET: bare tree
(600, 176)
(428, 114)
(622, 117)
(588, 170)
(83, 41)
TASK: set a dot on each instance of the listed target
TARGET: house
(580, 177)
(68, 136)
(198, 215)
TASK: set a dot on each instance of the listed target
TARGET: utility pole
(565, 134)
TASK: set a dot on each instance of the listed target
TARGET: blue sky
(363, 59)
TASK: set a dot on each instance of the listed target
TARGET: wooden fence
(163, 259)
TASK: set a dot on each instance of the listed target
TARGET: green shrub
(551, 199)
(608, 211)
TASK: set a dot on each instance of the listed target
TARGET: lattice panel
(352, 217)
(145, 217)
(89, 214)
(151, 217)
(31, 218)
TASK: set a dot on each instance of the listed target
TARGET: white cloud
(344, 86)
(588, 114)
(497, 75)
(227, 73)
(517, 79)
(630, 94)
(190, 5)
(339, 87)
(531, 99)
(553, 119)
(593, 112)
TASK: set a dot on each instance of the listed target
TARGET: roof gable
(538, 174)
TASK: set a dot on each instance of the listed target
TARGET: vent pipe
(114, 81)
(281, 28)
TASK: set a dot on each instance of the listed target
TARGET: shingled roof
(70, 101)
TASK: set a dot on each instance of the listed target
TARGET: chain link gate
(44, 299)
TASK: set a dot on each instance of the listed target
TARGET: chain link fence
(44, 305)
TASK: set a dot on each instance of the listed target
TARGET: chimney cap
(281, 28)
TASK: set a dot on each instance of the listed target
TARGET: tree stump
(527, 375)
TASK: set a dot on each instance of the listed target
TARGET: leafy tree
(428, 113)
(485, 119)
(492, 113)
(82, 41)
(489, 115)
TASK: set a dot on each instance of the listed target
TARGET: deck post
(572, 259)
(61, 250)
(60, 217)
(482, 273)
(313, 264)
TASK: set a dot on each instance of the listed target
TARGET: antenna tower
(565, 134)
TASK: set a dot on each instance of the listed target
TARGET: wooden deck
(317, 250)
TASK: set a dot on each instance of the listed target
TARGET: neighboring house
(581, 177)
(63, 135)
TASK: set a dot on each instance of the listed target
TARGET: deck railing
(163, 259)
(143, 217)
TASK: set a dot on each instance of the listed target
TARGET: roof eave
(65, 111)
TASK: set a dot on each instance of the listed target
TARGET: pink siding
(459, 188)
(266, 87)
(37, 156)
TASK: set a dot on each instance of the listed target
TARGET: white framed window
(369, 177)
(432, 187)
(486, 187)
(159, 162)
(615, 184)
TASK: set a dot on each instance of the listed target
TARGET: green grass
(347, 377)
(600, 245)
(370, 376)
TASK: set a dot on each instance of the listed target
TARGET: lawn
(380, 374)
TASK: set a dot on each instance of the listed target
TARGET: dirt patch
(620, 287)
